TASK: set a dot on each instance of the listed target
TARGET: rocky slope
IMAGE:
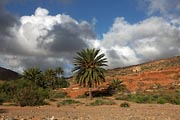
(148, 76)
(152, 75)
(6, 74)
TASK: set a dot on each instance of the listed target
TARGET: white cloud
(45, 40)
(33, 28)
(150, 39)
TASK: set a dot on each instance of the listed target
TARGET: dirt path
(82, 112)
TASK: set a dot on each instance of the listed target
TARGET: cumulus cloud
(53, 35)
(127, 44)
(45, 40)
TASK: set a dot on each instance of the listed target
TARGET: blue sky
(48, 33)
(103, 12)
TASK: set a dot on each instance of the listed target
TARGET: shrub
(178, 90)
(125, 105)
(160, 97)
(59, 95)
(28, 93)
(101, 102)
(29, 96)
(176, 100)
(116, 86)
(140, 98)
(23, 92)
(7, 90)
(62, 83)
(161, 100)
(97, 102)
(67, 102)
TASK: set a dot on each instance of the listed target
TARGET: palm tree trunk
(90, 93)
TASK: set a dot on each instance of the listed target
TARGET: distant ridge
(156, 65)
(175, 59)
(6, 74)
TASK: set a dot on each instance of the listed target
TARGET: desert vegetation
(33, 87)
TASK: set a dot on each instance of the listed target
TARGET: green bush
(60, 95)
(7, 90)
(98, 102)
(160, 97)
(29, 96)
(140, 98)
(176, 100)
(23, 92)
(125, 105)
(178, 90)
(161, 100)
(67, 102)
(62, 83)
(116, 86)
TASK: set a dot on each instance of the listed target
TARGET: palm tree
(35, 75)
(116, 86)
(59, 71)
(88, 65)
(32, 74)
(50, 77)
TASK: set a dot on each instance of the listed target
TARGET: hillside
(148, 76)
(6, 74)
(152, 75)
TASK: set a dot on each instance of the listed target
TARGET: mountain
(6, 74)
(150, 76)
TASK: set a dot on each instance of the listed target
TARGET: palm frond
(88, 67)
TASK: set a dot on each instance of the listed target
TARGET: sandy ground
(83, 112)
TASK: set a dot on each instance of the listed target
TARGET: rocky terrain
(148, 76)
(83, 112)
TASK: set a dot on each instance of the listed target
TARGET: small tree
(35, 75)
(59, 71)
(28, 94)
(116, 86)
(32, 74)
(88, 65)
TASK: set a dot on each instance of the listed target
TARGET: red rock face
(152, 75)
(150, 79)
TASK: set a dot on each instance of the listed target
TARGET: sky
(48, 33)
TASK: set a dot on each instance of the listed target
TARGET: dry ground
(83, 112)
